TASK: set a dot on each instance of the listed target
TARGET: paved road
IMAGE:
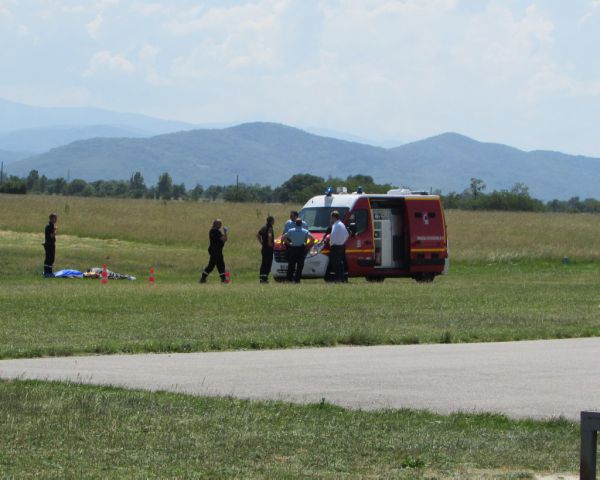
(539, 379)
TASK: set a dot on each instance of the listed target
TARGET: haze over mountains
(269, 153)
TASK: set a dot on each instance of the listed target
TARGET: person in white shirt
(337, 243)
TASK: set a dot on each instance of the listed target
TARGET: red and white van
(398, 234)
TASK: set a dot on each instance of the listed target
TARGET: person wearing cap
(337, 245)
(217, 240)
(297, 239)
(291, 223)
(50, 245)
(266, 238)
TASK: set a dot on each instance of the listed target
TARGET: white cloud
(5, 8)
(94, 26)
(106, 60)
(146, 8)
(148, 51)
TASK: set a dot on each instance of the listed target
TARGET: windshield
(318, 218)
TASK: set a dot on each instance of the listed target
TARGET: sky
(523, 73)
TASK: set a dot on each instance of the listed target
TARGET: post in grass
(104, 275)
(151, 278)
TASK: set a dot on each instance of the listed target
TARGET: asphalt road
(537, 379)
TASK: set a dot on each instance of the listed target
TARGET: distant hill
(10, 157)
(42, 139)
(268, 153)
(450, 160)
(16, 116)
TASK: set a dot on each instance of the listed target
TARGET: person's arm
(286, 240)
(224, 236)
(271, 238)
(259, 237)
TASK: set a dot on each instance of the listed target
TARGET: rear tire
(424, 277)
(375, 279)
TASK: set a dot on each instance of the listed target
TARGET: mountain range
(269, 153)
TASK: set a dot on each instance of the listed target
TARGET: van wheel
(375, 279)
(424, 277)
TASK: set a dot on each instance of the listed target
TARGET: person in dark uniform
(50, 244)
(266, 238)
(215, 250)
(296, 241)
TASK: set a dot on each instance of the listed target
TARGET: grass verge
(54, 430)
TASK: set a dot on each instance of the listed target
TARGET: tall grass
(474, 237)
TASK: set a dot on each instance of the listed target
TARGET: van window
(361, 219)
(319, 218)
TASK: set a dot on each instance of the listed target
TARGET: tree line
(296, 189)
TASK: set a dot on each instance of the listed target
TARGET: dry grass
(475, 237)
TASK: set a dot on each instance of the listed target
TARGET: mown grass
(52, 430)
(507, 282)
(488, 296)
(475, 303)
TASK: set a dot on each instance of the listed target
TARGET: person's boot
(203, 278)
(223, 278)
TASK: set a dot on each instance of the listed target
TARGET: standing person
(215, 250)
(291, 223)
(337, 244)
(266, 238)
(50, 245)
(296, 241)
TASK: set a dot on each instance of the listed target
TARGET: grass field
(496, 290)
(507, 282)
(70, 431)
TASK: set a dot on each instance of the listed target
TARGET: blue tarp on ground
(68, 274)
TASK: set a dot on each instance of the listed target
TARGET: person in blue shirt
(298, 240)
(291, 223)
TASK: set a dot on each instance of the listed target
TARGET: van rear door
(427, 234)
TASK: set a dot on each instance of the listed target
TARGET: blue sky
(524, 73)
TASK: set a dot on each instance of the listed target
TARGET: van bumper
(314, 267)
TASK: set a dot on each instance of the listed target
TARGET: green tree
(137, 187)
(477, 186)
(196, 192)
(76, 187)
(213, 192)
(13, 184)
(32, 181)
(298, 187)
(179, 191)
(164, 187)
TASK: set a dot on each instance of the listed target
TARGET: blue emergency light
(329, 191)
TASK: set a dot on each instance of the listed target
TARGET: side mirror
(352, 228)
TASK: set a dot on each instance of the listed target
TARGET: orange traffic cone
(227, 278)
(151, 279)
(104, 275)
